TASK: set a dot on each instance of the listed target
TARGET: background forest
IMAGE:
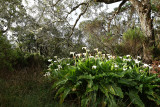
(32, 32)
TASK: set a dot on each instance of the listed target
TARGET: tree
(7, 54)
(12, 13)
(57, 13)
(143, 8)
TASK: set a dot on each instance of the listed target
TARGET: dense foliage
(132, 43)
(7, 54)
(110, 81)
(12, 58)
(31, 31)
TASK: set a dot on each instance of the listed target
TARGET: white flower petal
(96, 49)
(84, 54)
(124, 69)
(136, 61)
(49, 60)
(94, 67)
(59, 66)
(128, 55)
(72, 53)
(91, 56)
(55, 57)
(84, 48)
(116, 66)
(138, 57)
(47, 74)
(146, 65)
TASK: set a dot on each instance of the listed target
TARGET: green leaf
(95, 87)
(118, 91)
(128, 82)
(90, 83)
(135, 98)
(157, 80)
(104, 91)
(111, 90)
(151, 78)
(86, 77)
(60, 90)
(84, 101)
(77, 84)
(59, 83)
(63, 96)
(112, 102)
(140, 88)
(154, 99)
(100, 75)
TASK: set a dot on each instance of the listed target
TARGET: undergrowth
(26, 88)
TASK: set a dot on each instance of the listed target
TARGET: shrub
(98, 81)
(12, 58)
(132, 41)
(7, 54)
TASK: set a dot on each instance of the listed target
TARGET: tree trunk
(143, 9)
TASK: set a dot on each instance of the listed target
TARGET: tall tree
(143, 8)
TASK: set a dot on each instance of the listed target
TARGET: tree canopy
(49, 27)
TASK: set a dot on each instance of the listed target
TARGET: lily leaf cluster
(104, 81)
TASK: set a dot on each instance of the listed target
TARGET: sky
(110, 8)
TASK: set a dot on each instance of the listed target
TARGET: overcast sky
(110, 8)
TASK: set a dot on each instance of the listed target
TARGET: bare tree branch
(108, 1)
(119, 8)
(74, 8)
(55, 3)
(78, 20)
(39, 20)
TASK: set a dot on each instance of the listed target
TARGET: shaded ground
(26, 88)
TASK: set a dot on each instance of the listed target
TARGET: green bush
(98, 81)
(132, 42)
(7, 54)
(12, 58)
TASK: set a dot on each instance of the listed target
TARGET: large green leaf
(86, 77)
(90, 84)
(135, 99)
(112, 102)
(154, 99)
(60, 90)
(84, 101)
(118, 91)
(65, 93)
(150, 78)
(140, 87)
(61, 82)
(104, 90)
(76, 85)
(127, 82)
